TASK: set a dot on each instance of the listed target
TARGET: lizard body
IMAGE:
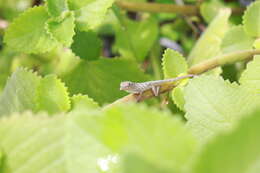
(139, 88)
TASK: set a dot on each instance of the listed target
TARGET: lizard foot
(139, 97)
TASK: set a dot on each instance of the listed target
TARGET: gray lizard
(139, 88)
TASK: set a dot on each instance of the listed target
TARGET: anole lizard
(139, 88)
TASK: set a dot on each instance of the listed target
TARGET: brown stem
(164, 8)
(158, 8)
(222, 60)
(146, 95)
(196, 69)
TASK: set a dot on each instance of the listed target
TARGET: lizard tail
(158, 82)
(181, 77)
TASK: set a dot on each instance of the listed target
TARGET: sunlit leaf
(52, 95)
(173, 64)
(63, 29)
(210, 9)
(236, 39)
(56, 7)
(82, 102)
(178, 97)
(250, 77)
(214, 105)
(257, 44)
(137, 130)
(251, 19)
(209, 43)
(238, 150)
(38, 143)
(27, 33)
(90, 13)
(27, 91)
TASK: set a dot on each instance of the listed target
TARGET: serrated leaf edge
(17, 20)
(249, 65)
(46, 4)
(245, 14)
(163, 64)
(53, 37)
(82, 96)
(83, 7)
(175, 102)
(65, 90)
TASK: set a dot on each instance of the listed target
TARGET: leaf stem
(158, 8)
(222, 60)
(196, 69)
(165, 8)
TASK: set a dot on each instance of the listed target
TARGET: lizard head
(127, 85)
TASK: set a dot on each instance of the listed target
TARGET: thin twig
(196, 69)
(222, 60)
(165, 8)
(145, 95)
(158, 8)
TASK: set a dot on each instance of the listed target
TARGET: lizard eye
(125, 84)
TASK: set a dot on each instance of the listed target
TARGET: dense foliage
(61, 64)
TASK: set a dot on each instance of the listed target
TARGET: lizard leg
(156, 90)
(139, 96)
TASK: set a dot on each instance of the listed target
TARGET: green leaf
(38, 143)
(82, 102)
(250, 77)
(27, 33)
(60, 61)
(209, 10)
(19, 93)
(63, 29)
(251, 19)
(100, 79)
(140, 38)
(7, 57)
(1, 160)
(11, 8)
(143, 132)
(257, 44)
(56, 7)
(77, 4)
(209, 43)
(240, 148)
(236, 39)
(27, 91)
(90, 13)
(86, 45)
(133, 163)
(213, 105)
(52, 95)
(178, 97)
(173, 64)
